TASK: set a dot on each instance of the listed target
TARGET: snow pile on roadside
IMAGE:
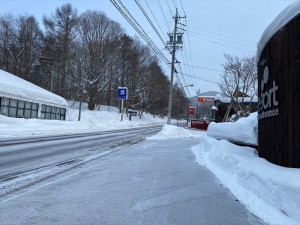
(242, 131)
(269, 191)
(171, 131)
(96, 120)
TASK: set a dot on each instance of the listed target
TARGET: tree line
(86, 56)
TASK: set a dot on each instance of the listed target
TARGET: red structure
(199, 124)
(192, 110)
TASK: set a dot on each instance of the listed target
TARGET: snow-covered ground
(270, 192)
(104, 118)
(236, 132)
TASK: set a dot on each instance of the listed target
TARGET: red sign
(199, 124)
(206, 99)
(192, 110)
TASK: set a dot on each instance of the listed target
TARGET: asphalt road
(151, 182)
(19, 156)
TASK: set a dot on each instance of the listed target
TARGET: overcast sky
(214, 27)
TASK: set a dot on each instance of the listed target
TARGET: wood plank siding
(278, 136)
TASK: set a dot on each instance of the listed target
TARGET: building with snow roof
(226, 107)
(278, 64)
(22, 99)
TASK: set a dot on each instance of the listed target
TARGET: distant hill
(194, 99)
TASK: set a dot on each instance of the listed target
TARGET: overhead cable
(128, 16)
(149, 20)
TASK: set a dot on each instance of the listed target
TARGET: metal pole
(178, 111)
(80, 103)
(51, 85)
(122, 109)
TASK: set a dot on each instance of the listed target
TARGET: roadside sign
(206, 99)
(122, 93)
(192, 110)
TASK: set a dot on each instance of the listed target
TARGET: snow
(106, 118)
(270, 192)
(14, 87)
(171, 131)
(282, 19)
(236, 132)
(223, 99)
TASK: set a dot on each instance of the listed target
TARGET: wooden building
(231, 106)
(278, 58)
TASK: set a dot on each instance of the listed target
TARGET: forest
(87, 56)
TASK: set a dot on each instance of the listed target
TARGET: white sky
(214, 27)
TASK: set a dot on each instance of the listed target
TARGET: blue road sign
(122, 93)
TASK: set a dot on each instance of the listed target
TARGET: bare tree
(20, 41)
(58, 45)
(239, 75)
(98, 35)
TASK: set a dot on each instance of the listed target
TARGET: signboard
(192, 110)
(267, 100)
(206, 99)
(122, 93)
(199, 124)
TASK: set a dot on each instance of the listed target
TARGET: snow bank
(106, 119)
(15, 87)
(223, 99)
(243, 131)
(171, 131)
(270, 192)
(282, 19)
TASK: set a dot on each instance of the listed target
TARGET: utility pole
(174, 44)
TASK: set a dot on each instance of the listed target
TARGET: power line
(182, 7)
(223, 35)
(170, 8)
(163, 14)
(198, 78)
(174, 4)
(247, 45)
(132, 21)
(155, 19)
(149, 20)
(175, 42)
(215, 42)
(205, 68)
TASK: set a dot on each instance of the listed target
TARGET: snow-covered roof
(14, 87)
(220, 98)
(282, 19)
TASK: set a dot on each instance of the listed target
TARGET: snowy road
(54, 154)
(152, 182)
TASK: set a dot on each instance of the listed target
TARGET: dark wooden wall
(278, 137)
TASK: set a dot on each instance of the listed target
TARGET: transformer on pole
(173, 44)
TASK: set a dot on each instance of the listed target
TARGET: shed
(22, 99)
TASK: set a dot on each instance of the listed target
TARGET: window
(12, 111)
(20, 110)
(52, 112)
(62, 113)
(34, 110)
(4, 106)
